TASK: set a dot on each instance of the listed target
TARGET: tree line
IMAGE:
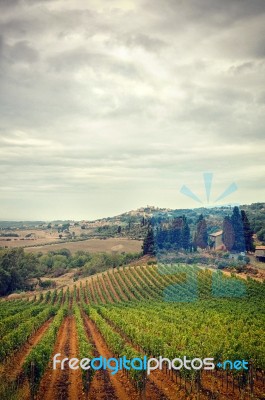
(175, 234)
(18, 268)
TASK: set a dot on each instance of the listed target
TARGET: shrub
(222, 264)
(247, 259)
(151, 262)
(47, 284)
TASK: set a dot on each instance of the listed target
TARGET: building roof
(216, 233)
(260, 247)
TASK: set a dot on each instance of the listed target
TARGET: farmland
(133, 312)
(92, 245)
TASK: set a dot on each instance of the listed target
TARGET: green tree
(175, 233)
(228, 233)
(185, 234)
(149, 242)
(161, 237)
(5, 280)
(16, 267)
(201, 235)
(248, 232)
(261, 235)
(236, 220)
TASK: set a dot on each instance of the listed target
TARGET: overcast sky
(110, 105)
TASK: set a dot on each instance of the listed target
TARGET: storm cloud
(108, 106)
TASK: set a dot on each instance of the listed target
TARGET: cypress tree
(201, 235)
(239, 242)
(228, 233)
(248, 233)
(175, 233)
(185, 234)
(161, 237)
(149, 243)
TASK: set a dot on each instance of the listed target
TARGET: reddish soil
(118, 285)
(63, 384)
(75, 376)
(109, 284)
(125, 282)
(99, 291)
(105, 288)
(85, 294)
(101, 386)
(12, 370)
(139, 279)
(91, 290)
(124, 390)
(135, 282)
(212, 384)
(147, 276)
(13, 366)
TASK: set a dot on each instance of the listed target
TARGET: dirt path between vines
(92, 291)
(101, 387)
(12, 370)
(124, 389)
(110, 285)
(117, 283)
(98, 289)
(75, 376)
(105, 288)
(211, 384)
(137, 283)
(126, 284)
(63, 384)
(49, 384)
(158, 380)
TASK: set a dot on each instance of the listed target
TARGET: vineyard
(169, 311)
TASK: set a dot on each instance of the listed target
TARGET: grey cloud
(133, 97)
(148, 42)
(79, 58)
(8, 3)
(23, 52)
(214, 12)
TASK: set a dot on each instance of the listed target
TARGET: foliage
(248, 232)
(47, 284)
(16, 267)
(237, 224)
(228, 233)
(17, 337)
(149, 242)
(201, 235)
(85, 348)
(41, 353)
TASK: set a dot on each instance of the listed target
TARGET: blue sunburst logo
(208, 180)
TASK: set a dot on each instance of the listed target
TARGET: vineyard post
(198, 382)
(87, 381)
(251, 380)
(32, 380)
(143, 385)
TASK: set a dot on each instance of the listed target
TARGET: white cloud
(118, 104)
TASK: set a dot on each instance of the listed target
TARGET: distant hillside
(134, 223)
